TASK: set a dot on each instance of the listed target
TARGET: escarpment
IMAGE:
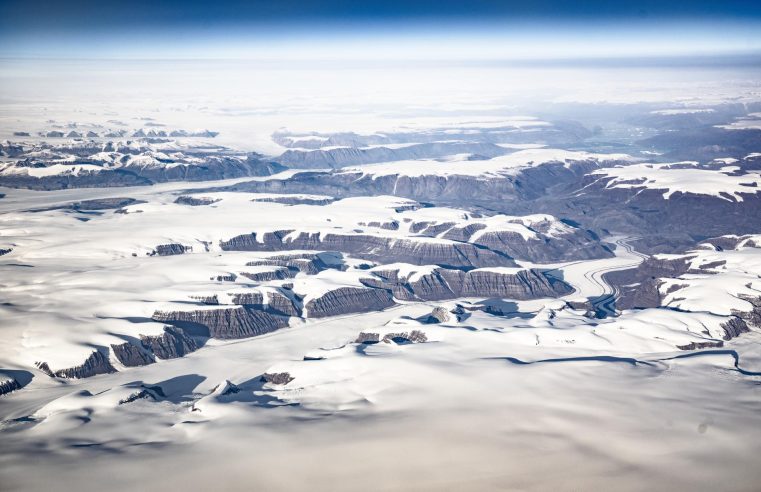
(9, 385)
(96, 363)
(170, 249)
(224, 323)
(639, 287)
(173, 343)
(417, 251)
(345, 300)
(442, 284)
(131, 355)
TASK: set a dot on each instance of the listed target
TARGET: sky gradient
(377, 29)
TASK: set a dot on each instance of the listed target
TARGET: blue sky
(440, 29)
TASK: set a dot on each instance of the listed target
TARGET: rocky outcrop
(415, 336)
(224, 323)
(170, 249)
(5, 251)
(639, 287)
(374, 248)
(277, 378)
(131, 355)
(280, 302)
(173, 343)
(254, 298)
(734, 327)
(442, 284)
(752, 317)
(141, 394)
(105, 203)
(367, 338)
(121, 163)
(96, 363)
(700, 345)
(279, 273)
(230, 277)
(309, 263)
(578, 245)
(439, 315)
(283, 304)
(195, 201)
(345, 300)
(9, 385)
(297, 200)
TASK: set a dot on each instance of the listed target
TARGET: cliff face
(131, 355)
(349, 156)
(172, 344)
(373, 248)
(96, 363)
(225, 323)
(8, 386)
(171, 249)
(639, 287)
(281, 302)
(442, 284)
(346, 300)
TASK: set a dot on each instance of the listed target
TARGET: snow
(671, 112)
(459, 165)
(683, 177)
(751, 122)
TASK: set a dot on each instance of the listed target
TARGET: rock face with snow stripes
(96, 363)
(374, 248)
(224, 323)
(442, 283)
(8, 385)
(345, 300)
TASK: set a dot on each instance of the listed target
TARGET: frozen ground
(559, 391)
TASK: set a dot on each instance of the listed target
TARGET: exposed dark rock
(172, 344)
(639, 287)
(415, 336)
(225, 323)
(309, 263)
(195, 201)
(277, 378)
(105, 203)
(700, 345)
(225, 388)
(8, 386)
(278, 273)
(282, 304)
(345, 300)
(255, 298)
(442, 284)
(143, 394)
(734, 327)
(438, 315)
(5, 251)
(171, 249)
(132, 355)
(209, 300)
(296, 200)
(373, 248)
(96, 363)
(752, 317)
(367, 338)
(230, 277)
